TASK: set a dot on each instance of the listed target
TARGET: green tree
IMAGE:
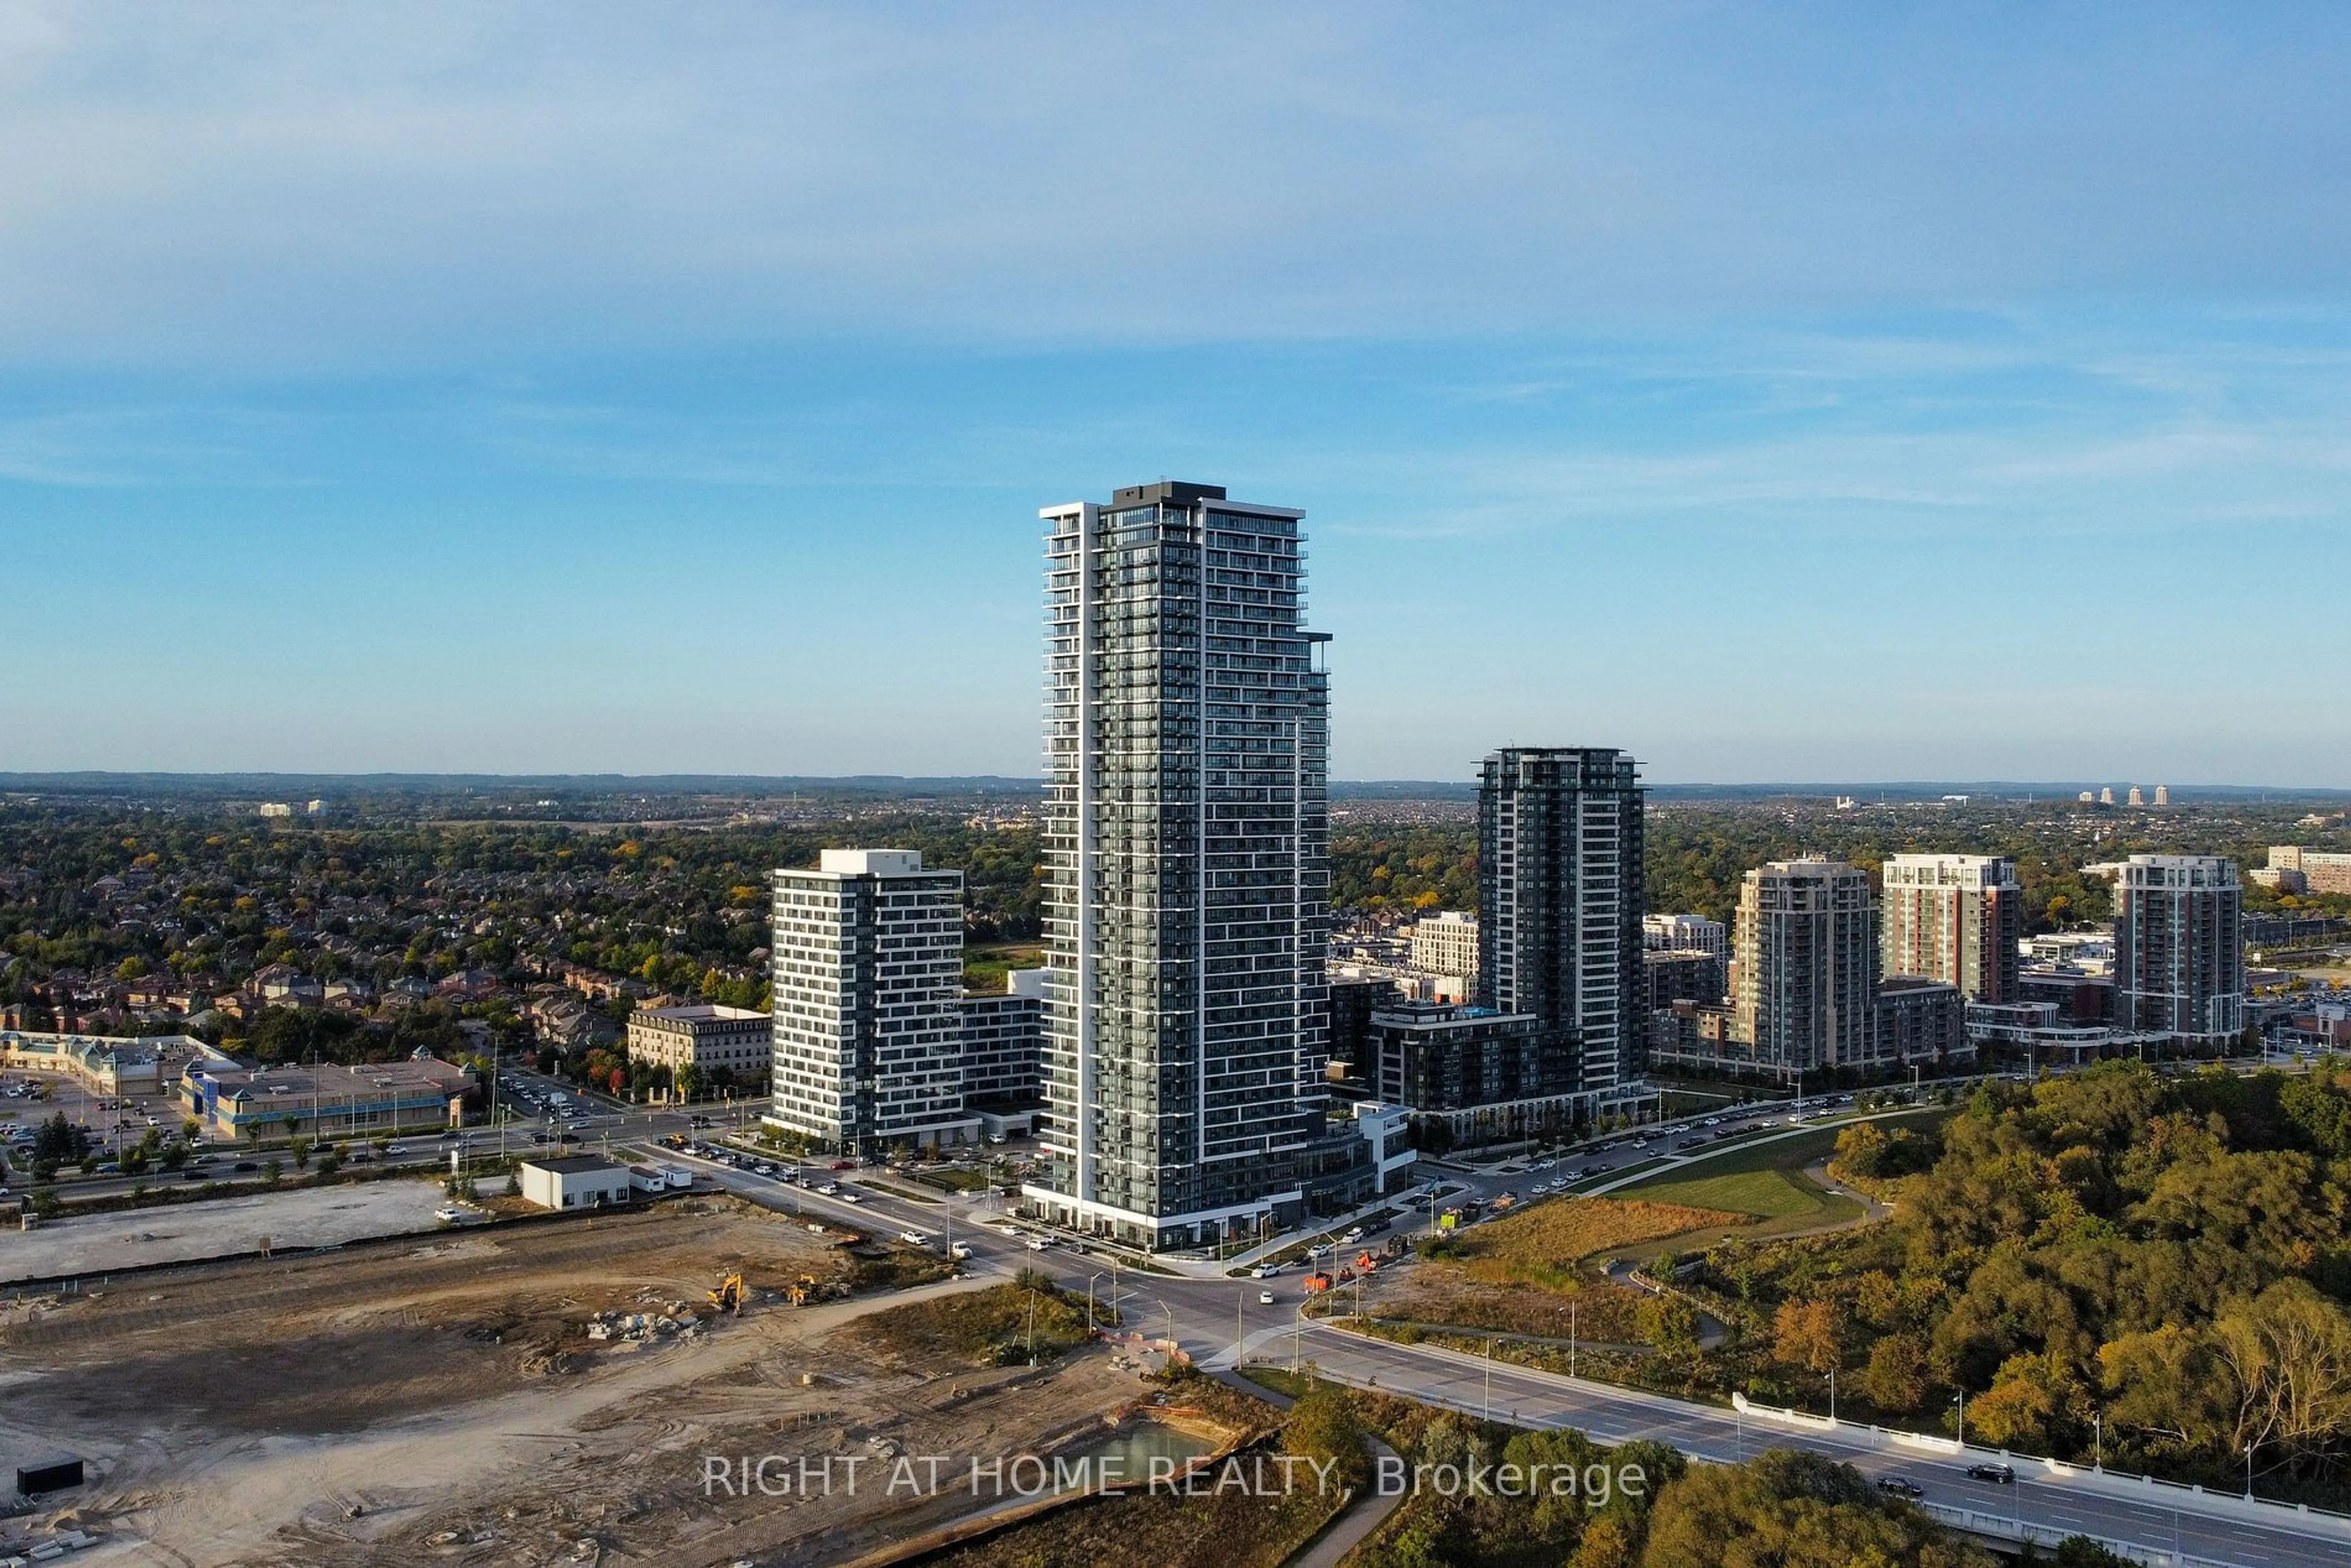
(1323, 1426)
(1898, 1377)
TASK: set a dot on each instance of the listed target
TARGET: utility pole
(1571, 1336)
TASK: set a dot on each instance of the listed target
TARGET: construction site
(516, 1393)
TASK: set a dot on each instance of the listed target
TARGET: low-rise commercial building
(109, 1066)
(575, 1181)
(227, 1100)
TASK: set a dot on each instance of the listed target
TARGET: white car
(958, 1250)
(1039, 1243)
(1265, 1297)
(913, 1239)
(850, 1198)
(449, 1214)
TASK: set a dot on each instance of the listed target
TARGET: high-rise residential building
(1684, 933)
(1955, 918)
(1560, 901)
(2179, 961)
(1445, 942)
(1187, 871)
(2138, 797)
(2106, 796)
(868, 988)
(1806, 992)
(2163, 794)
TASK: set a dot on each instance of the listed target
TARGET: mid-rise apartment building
(2179, 962)
(703, 1038)
(1559, 902)
(1445, 942)
(1686, 934)
(1003, 1043)
(1920, 1020)
(1806, 993)
(2294, 869)
(1185, 845)
(868, 988)
(1673, 974)
(1480, 1076)
(1954, 918)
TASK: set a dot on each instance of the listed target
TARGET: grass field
(1764, 1181)
(985, 965)
(982, 1326)
(1543, 1246)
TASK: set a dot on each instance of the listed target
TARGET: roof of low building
(578, 1165)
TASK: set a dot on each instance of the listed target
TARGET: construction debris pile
(639, 1327)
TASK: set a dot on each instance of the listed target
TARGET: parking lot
(321, 1217)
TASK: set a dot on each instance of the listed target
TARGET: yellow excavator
(801, 1289)
(728, 1295)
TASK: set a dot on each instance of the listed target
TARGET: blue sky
(1816, 393)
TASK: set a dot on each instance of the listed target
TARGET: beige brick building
(702, 1037)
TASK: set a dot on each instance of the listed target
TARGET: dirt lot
(443, 1402)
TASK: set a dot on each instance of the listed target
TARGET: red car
(844, 1164)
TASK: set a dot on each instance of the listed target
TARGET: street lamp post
(2249, 1472)
(1963, 1417)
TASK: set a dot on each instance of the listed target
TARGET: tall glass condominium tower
(1186, 860)
(1560, 905)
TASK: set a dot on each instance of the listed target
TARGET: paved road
(2080, 1504)
(1209, 1316)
